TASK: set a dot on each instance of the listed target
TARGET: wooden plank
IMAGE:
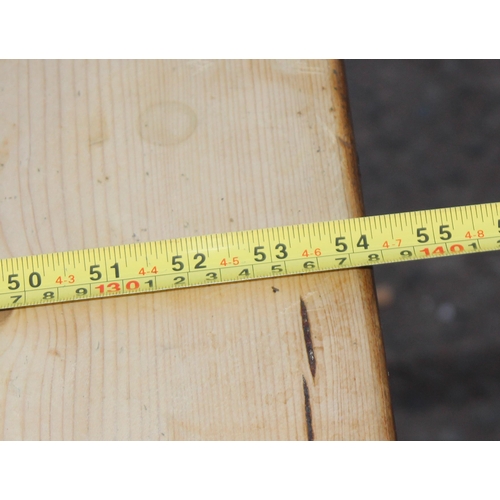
(99, 153)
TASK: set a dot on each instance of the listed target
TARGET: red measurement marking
(235, 261)
(306, 253)
(132, 285)
(480, 234)
(112, 287)
(60, 281)
(397, 244)
(438, 251)
(143, 272)
(456, 248)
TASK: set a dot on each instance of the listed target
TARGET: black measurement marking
(202, 258)
(35, 280)
(116, 268)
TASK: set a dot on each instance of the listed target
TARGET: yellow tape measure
(244, 255)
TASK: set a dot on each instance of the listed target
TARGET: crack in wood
(306, 327)
(307, 407)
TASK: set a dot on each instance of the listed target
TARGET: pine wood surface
(96, 153)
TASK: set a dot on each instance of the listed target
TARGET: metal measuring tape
(245, 255)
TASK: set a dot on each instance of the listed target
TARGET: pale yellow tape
(253, 254)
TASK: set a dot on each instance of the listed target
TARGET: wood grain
(97, 153)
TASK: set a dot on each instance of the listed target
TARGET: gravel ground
(427, 135)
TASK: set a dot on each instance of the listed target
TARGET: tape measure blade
(252, 254)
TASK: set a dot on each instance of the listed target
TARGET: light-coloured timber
(96, 153)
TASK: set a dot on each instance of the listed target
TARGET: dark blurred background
(428, 136)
